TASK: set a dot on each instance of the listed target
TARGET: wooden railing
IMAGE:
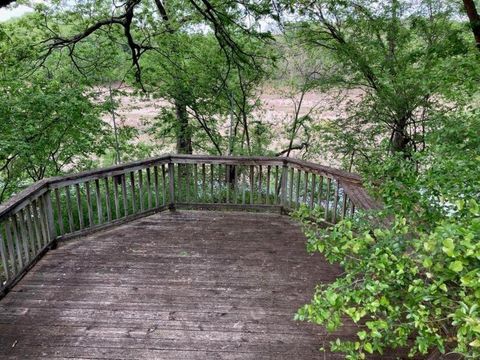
(63, 207)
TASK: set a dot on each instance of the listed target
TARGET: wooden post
(171, 181)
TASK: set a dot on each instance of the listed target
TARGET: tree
(474, 18)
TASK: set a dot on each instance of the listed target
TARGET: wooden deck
(181, 285)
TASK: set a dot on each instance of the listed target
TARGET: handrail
(58, 208)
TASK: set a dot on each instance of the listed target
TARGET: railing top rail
(41, 186)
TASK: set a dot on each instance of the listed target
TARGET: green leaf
(456, 266)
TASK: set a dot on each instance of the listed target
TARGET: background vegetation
(412, 271)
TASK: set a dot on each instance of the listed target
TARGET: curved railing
(63, 207)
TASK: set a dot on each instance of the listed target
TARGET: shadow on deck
(181, 285)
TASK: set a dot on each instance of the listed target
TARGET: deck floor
(184, 285)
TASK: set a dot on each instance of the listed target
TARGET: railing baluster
(37, 223)
(132, 191)
(211, 183)
(24, 235)
(140, 190)
(305, 195)
(164, 181)
(260, 184)
(17, 241)
(89, 204)
(11, 248)
(116, 200)
(98, 197)
(107, 200)
(335, 203)
(187, 183)
(344, 205)
(312, 198)
(327, 198)
(290, 198)
(69, 209)
(251, 183)
(79, 206)
(297, 192)
(155, 186)
(171, 180)
(149, 189)
(123, 179)
(267, 200)
(195, 183)
(59, 212)
(275, 194)
(320, 191)
(3, 256)
(31, 234)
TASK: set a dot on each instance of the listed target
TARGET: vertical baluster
(275, 194)
(327, 198)
(24, 236)
(267, 199)
(47, 212)
(155, 185)
(352, 208)
(69, 209)
(211, 183)
(31, 235)
(140, 189)
(108, 200)
(260, 184)
(290, 197)
(251, 184)
(123, 179)
(283, 187)
(244, 186)
(11, 248)
(204, 183)
(179, 183)
(149, 189)
(297, 192)
(227, 182)
(132, 191)
(36, 224)
(59, 212)
(344, 204)
(220, 184)
(234, 184)
(164, 181)
(187, 183)
(98, 197)
(320, 191)
(195, 183)
(17, 241)
(79, 206)
(335, 203)
(3, 256)
(171, 181)
(116, 200)
(312, 197)
(89, 204)
(305, 194)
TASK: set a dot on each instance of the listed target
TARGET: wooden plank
(305, 193)
(275, 194)
(204, 182)
(195, 183)
(290, 185)
(320, 191)
(30, 229)
(335, 202)
(187, 182)
(24, 237)
(260, 184)
(211, 183)
(297, 189)
(36, 224)
(171, 181)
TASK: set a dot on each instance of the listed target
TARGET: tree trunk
(474, 20)
(400, 139)
(184, 135)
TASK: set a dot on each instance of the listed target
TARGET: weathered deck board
(186, 285)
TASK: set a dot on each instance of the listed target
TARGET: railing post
(283, 187)
(50, 220)
(171, 181)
